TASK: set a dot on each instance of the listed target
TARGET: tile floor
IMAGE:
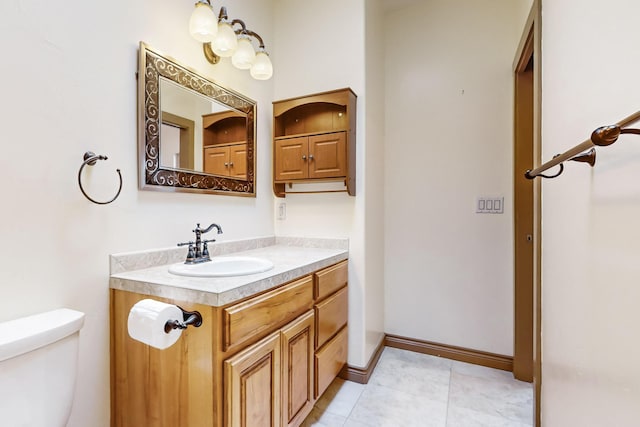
(411, 389)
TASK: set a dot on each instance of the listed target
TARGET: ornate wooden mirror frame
(152, 176)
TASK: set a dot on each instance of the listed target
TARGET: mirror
(194, 135)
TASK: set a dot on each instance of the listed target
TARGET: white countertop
(147, 272)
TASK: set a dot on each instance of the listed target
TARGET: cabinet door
(297, 370)
(252, 385)
(328, 155)
(329, 361)
(238, 161)
(331, 316)
(291, 158)
(216, 160)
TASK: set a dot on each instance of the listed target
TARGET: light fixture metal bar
(209, 54)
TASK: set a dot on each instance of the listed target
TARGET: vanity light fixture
(220, 39)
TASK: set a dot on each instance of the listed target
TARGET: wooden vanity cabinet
(261, 361)
(314, 139)
(224, 146)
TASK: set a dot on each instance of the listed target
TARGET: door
(252, 385)
(216, 160)
(238, 161)
(291, 158)
(527, 210)
(328, 155)
(523, 226)
(297, 370)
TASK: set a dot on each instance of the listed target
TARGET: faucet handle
(205, 249)
(191, 255)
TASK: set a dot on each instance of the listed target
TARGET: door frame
(527, 311)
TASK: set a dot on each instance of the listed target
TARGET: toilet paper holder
(188, 318)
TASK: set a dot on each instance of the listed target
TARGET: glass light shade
(203, 24)
(225, 42)
(262, 69)
(244, 55)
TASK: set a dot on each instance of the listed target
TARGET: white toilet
(38, 364)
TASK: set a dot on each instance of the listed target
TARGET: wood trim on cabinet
(330, 279)
(338, 96)
(247, 375)
(461, 354)
(297, 370)
(329, 361)
(264, 313)
(331, 315)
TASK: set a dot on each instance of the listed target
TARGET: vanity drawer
(329, 361)
(330, 279)
(331, 315)
(264, 313)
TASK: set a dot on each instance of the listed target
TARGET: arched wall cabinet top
(338, 97)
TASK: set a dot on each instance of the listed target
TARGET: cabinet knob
(304, 157)
(310, 156)
(226, 165)
(231, 164)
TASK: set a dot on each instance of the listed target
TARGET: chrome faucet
(198, 251)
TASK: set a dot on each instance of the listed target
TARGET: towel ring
(90, 159)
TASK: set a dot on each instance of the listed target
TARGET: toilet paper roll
(146, 323)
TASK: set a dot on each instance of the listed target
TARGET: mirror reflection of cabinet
(315, 139)
(224, 145)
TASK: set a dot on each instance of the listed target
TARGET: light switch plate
(491, 205)
(282, 211)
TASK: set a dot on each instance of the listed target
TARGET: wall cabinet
(224, 146)
(314, 139)
(261, 361)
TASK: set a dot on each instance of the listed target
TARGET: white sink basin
(223, 267)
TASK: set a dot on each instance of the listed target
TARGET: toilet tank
(38, 364)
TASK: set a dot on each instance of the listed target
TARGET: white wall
(449, 97)
(590, 233)
(320, 46)
(374, 175)
(68, 85)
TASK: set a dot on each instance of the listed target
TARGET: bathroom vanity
(269, 345)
